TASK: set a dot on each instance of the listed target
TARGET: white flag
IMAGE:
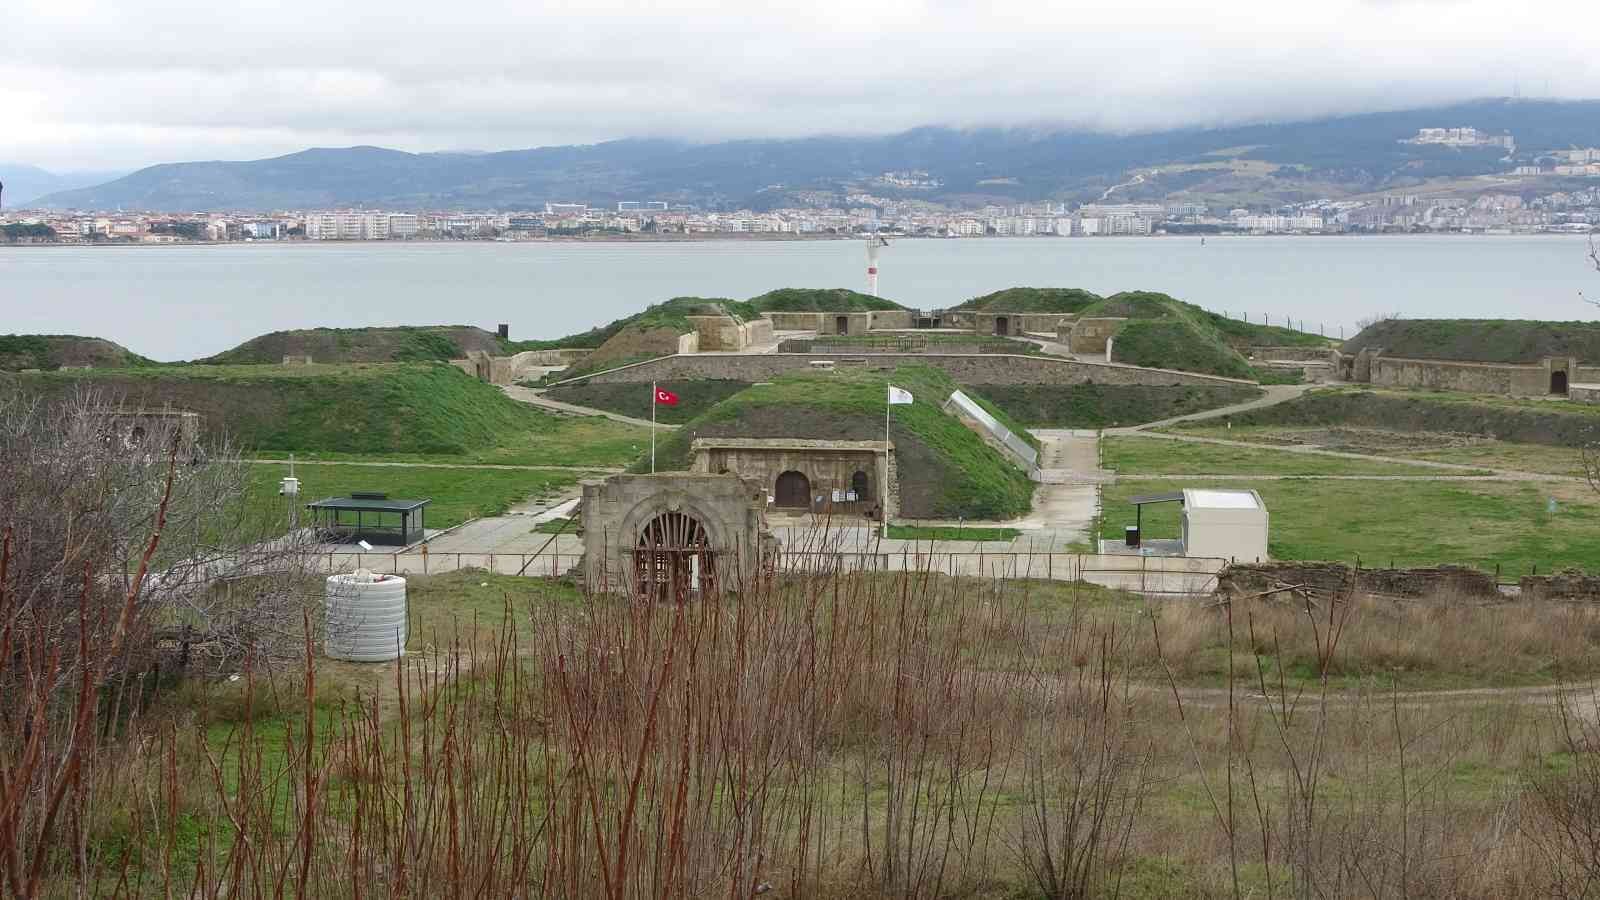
(899, 396)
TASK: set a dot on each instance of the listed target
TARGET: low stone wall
(1336, 578)
(984, 368)
(1527, 380)
(1324, 355)
(1561, 586)
(1089, 335)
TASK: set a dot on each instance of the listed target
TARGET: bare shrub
(1564, 822)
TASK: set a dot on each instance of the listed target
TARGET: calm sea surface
(188, 302)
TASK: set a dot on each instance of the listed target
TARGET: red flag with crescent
(665, 397)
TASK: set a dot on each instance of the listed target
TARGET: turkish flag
(665, 397)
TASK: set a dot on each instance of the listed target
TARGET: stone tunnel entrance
(1558, 382)
(793, 491)
(673, 559)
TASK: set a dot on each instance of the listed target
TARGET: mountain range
(25, 184)
(1274, 162)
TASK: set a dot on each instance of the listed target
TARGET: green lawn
(1482, 524)
(457, 494)
(1134, 456)
(951, 533)
(1485, 452)
(587, 441)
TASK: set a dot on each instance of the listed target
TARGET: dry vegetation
(838, 735)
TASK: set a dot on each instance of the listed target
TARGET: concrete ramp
(978, 419)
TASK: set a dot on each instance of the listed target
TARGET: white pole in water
(652, 428)
(872, 264)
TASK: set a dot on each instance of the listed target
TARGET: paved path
(434, 465)
(536, 397)
(1276, 393)
(1067, 500)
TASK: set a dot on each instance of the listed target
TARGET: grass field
(1131, 457)
(1457, 449)
(457, 494)
(972, 713)
(1482, 524)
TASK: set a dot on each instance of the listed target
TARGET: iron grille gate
(673, 559)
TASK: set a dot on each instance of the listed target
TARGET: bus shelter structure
(370, 517)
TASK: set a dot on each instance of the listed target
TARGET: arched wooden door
(1002, 326)
(673, 559)
(793, 491)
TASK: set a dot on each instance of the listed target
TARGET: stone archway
(793, 491)
(673, 559)
(1558, 381)
(1002, 326)
(841, 324)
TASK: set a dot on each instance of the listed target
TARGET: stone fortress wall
(832, 469)
(987, 368)
(1551, 375)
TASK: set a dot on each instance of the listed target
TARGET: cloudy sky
(93, 84)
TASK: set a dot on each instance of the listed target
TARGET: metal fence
(1155, 575)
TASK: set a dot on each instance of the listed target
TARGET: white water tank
(366, 617)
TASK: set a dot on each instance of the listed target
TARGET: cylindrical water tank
(366, 617)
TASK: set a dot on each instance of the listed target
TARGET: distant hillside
(1480, 340)
(25, 184)
(1034, 300)
(351, 345)
(415, 408)
(52, 351)
(1279, 162)
(945, 469)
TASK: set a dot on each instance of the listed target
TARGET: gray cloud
(101, 83)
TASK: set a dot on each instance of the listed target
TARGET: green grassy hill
(835, 300)
(1109, 405)
(420, 408)
(52, 351)
(1167, 333)
(945, 469)
(362, 345)
(1034, 300)
(1480, 340)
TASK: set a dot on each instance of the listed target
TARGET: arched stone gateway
(673, 559)
(793, 491)
(674, 536)
(1558, 382)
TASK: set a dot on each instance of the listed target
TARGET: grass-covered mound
(52, 351)
(1034, 300)
(424, 408)
(945, 469)
(1480, 340)
(835, 300)
(1164, 332)
(1506, 419)
(362, 345)
(1109, 405)
(694, 397)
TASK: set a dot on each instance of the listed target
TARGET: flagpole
(887, 405)
(652, 428)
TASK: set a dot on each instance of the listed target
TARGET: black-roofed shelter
(371, 517)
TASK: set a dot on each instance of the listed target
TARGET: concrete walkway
(536, 397)
(1276, 393)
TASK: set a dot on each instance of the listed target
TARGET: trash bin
(1130, 535)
